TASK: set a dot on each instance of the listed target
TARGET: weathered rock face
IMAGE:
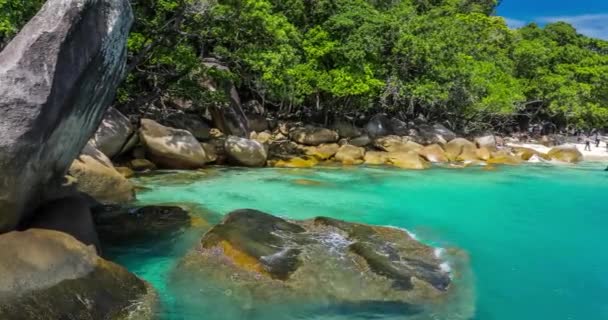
(260, 256)
(566, 153)
(361, 141)
(396, 144)
(313, 136)
(257, 123)
(96, 176)
(349, 154)
(171, 148)
(112, 135)
(191, 123)
(379, 126)
(57, 77)
(245, 152)
(47, 274)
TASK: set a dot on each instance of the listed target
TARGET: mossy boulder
(566, 153)
(47, 275)
(263, 257)
(349, 154)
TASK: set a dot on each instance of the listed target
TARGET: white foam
(445, 267)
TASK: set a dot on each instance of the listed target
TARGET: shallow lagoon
(534, 234)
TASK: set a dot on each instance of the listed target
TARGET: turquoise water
(535, 234)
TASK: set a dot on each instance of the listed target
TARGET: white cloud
(592, 25)
(514, 23)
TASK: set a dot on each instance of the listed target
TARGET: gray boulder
(245, 152)
(313, 136)
(57, 78)
(112, 135)
(379, 126)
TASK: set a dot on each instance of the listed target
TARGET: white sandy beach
(596, 154)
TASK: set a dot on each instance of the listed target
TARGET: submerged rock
(57, 77)
(124, 224)
(262, 257)
(48, 275)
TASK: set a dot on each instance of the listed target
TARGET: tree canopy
(446, 60)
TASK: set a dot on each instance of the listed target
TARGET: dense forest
(443, 60)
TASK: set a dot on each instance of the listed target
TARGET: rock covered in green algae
(50, 275)
(261, 258)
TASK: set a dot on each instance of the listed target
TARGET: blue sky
(590, 17)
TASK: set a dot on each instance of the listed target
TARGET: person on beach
(587, 144)
(597, 139)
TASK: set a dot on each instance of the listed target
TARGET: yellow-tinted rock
(504, 157)
(308, 182)
(126, 172)
(460, 149)
(376, 157)
(407, 160)
(349, 154)
(566, 153)
(322, 152)
(297, 162)
(434, 153)
(96, 177)
(396, 144)
(527, 153)
(483, 153)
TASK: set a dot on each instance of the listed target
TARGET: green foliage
(13, 15)
(444, 59)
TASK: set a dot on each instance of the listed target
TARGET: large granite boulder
(96, 176)
(395, 144)
(376, 157)
(245, 152)
(47, 274)
(313, 136)
(461, 149)
(171, 148)
(489, 142)
(431, 134)
(349, 154)
(189, 122)
(434, 153)
(262, 258)
(57, 78)
(566, 153)
(408, 160)
(113, 133)
(323, 151)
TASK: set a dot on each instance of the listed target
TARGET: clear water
(536, 235)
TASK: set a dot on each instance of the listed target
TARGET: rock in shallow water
(56, 79)
(263, 257)
(47, 275)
